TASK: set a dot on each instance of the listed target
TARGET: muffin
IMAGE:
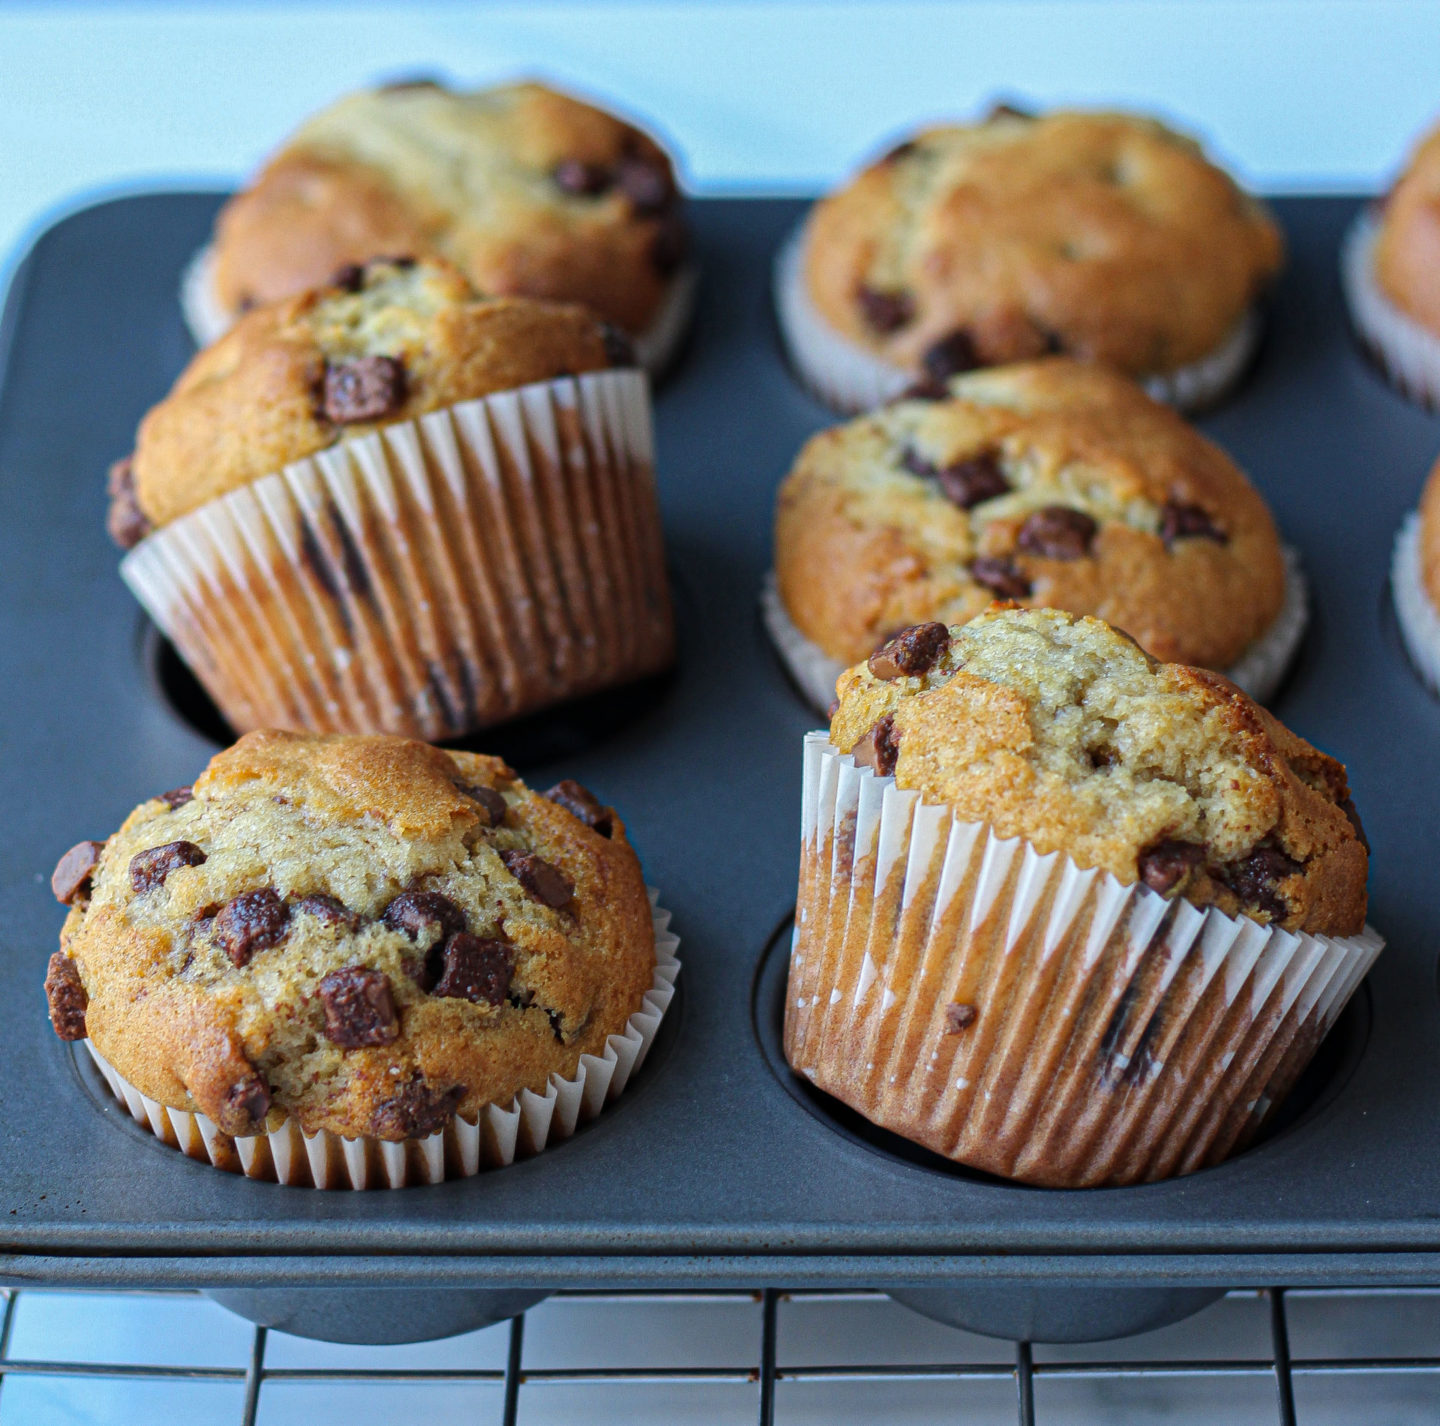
(1415, 583)
(391, 505)
(1050, 482)
(1067, 914)
(360, 959)
(1390, 269)
(1104, 236)
(529, 192)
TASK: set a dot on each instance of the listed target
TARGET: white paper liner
(655, 347)
(1417, 617)
(499, 1136)
(850, 379)
(1408, 352)
(1259, 670)
(1120, 1037)
(437, 576)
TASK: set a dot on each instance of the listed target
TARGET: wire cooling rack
(503, 1388)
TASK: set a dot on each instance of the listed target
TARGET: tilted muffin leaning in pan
(1105, 236)
(529, 192)
(1066, 913)
(1053, 482)
(360, 959)
(392, 505)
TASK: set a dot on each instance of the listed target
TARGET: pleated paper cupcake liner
(1259, 670)
(500, 1134)
(656, 346)
(432, 578)
(1023, 1016)
(850, 379)
(1408, 353)
(1417, 617)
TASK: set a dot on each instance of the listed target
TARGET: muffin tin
(716, 1168)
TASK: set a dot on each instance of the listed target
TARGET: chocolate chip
(911, 652)
(879, 748)
(148, 869)
(884, 312)
(546, 883)
(67, 997)
(581, 179)
(966, 483)
(646, 183)
(671, 244)
(1353, 815)
(126, 521)
(253, 921)
(415, 81)
(491, 802)
(416, 1111)
(1188, 522)
(580, 802)
(927, 388)
(70, 880)
(250, 1098)
(364, 389)
(1163, 866)
(1000, 576)
(414, 912)
(951, 355)
(177, 797)
(1255, 878)
(476, 968)
(1058, 533)
(350, 278)
(329, 910)
(900, 151)
(1005, 110)
(359, 1008)
(619, 349)
(959, 1016)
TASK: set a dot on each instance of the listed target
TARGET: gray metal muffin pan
(714, 1169)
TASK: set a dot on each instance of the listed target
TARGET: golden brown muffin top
(528, 191)
(1106, 236)
(365, 932)
(1060, 730)
(383, 343)
(1052, 483)
(1407, 247)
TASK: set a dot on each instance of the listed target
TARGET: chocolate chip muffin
(1051, 483)
(390, 504)
(1067, 914)
(1415, 583)
(529, 192)
(1105, 236)
(359, 935)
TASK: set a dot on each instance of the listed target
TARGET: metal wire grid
(1281, 1367)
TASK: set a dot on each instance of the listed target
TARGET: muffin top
(1052, 482)
(1060, 730)
(1106, 236)
(1407, 247)
(529, 192)
(382, 343)
(367, 933)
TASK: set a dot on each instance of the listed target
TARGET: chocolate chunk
(126, 521)
(927, 388)
(911, 652)
(364, 389)
(414, 912)
(148, 869)
(1188, 522)
(1163, 866)
(951, 355)
(646, 183)
(959, 1016)
(1353, 815)
(1058, 533)
(491, 802)
(580, 802)
(671, 244)
(900, 151)
(966, 483)
(328, 909)
(70, 880)
(359, 1009)
(178, 797)
(67, 997)
(1255, 879)
(416, 1111)
(350, 278)
(546, 883)
(879, 748)
(414, 81)
(476, 968)
(1005, 110)
(253, 921)
(884, 312)
(999, 575)
(581, 179)
(619, 349)
(248, 1098)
